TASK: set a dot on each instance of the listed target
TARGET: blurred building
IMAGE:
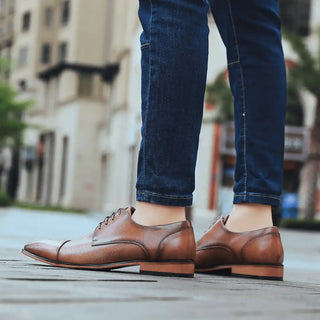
(80, 61)
(119, 138)
(61, 62)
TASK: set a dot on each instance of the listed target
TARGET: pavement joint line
(92, 300)
(77, 280)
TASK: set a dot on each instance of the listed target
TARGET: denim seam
(234, 62)
(257, 195)
(145, 45)
(148, 94)
(243, 99)
(163, 196)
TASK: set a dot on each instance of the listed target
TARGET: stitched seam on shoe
(140, 245)
(218, 246)
(214, 246)
(243, 99)
(58, 251)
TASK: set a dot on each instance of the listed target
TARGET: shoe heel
(258, 271)
(169, 269)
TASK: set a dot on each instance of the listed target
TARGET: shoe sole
(265, 272)
(183, 269)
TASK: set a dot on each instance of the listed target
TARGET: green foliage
(294, 114)
(219, 94)
(300, 224)
(5, 200)
(307, 72)
(11, 112)
(5, 67)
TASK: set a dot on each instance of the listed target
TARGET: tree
(306, 75)
(219, 94)
(12, 125)
(11, 111)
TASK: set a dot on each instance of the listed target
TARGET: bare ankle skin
(249, 216)
(149, 214)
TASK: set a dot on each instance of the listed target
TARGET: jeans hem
(164, 199)
(261, 198)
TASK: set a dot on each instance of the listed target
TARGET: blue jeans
(174, 54)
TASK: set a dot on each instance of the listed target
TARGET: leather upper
(121, 239)
(219, 246)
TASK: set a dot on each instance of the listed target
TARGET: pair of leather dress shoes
(167, 249)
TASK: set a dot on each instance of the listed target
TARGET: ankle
(249, 216)
(150, 214)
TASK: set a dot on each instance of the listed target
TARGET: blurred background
(70, 109)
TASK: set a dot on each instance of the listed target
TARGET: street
(30, 290)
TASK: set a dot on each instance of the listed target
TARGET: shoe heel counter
(178, 246)
(264, 249)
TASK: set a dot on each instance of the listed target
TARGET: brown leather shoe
(119, 242)
(257, 254)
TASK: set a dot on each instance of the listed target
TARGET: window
(295, 15)
(85, 85)
(63, 50)
(26, 21)
(12, 4)
(1, 27)
(22, 85)
(23, 56)
(46, 53)
(48, 16)
(10, 26)
(2, 4)
(65, 12)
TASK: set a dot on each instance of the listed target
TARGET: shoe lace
(107, 218)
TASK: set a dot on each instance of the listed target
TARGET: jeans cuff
(164, 199)
(252, 197)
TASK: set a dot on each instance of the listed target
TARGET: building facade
(61, 57)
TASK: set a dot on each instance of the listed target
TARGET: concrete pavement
(30, 290)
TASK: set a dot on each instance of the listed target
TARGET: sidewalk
(30, 290)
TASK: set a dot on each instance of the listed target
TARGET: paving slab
(30, 290)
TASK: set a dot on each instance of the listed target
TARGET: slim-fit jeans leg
(174, 53)
(174, 61)
(250, 30)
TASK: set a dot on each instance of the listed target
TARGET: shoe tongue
(130, 210)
